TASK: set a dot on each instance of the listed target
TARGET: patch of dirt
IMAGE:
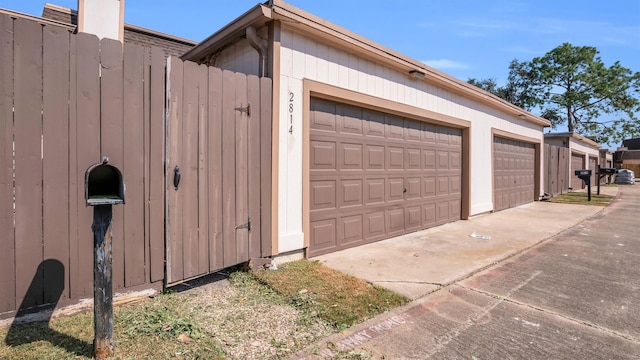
(250, 323)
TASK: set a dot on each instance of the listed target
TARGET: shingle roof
(171, 45)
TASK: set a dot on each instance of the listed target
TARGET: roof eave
(574, 136)
(257, 15)
(298, 18)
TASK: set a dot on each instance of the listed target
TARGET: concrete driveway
(419, 263)
(514, 296)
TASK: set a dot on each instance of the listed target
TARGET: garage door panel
(374, 191)
(374, 225)
(455, 137)
(428, 159)
(350, 193)
(413, 131)
(442, 135)
(454, 184)
(395, 221)
(350, 229)
(395, 158)
(394, 127)
(323, 195)
(350, 122)
(374, 157)
(455, 160)
(443, 160)
(323, 155)
(455, 207)
(428, 133)
(413, 216)
(428, 215)
(413, 159)
(323, 234)
(443, 185)
(395, 190)
(375, 124)
(428, 186)
(325, 116)
(351, 156)
(442, 211)
(413, 188)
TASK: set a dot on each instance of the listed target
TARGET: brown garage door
(577, 163)
(374, 176)
(514, 173)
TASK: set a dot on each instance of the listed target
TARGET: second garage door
(375, 176)
(514, 173)
(577, 163)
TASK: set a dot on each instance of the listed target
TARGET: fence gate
(556, 169)
(218, 169)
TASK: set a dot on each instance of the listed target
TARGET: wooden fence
(66, 100)
(219, 138)
(556, 169)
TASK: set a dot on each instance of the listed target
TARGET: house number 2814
(290, 113)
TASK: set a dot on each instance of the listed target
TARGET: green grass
(582, 199)
(339, 299)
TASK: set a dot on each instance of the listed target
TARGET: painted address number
(290, 112)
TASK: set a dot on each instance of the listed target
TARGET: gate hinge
(246, 110)
(245, 226)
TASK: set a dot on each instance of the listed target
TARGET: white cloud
(443, 64)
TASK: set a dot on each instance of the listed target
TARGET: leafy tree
(513, 90)
(570, 86)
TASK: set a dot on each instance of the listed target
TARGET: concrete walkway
(419, 263)
(574, 296)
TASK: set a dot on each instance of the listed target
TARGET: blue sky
(467, 39)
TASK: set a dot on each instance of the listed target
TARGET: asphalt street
(573, 296)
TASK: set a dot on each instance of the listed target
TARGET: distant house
(585, 154)
(628, 156)
(171, 45)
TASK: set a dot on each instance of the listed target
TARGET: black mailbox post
(585, 175)
(104, 187)
(602, 172)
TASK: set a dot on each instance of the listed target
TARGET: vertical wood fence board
(174, 220)
(7, 239)
(563, 169)
(216, 244)
(229, 168)
(76, 179)
(203, 173)
(87, 142)
(55, 122)
(242, 167)
(254, 178)
(134, 166)
(111, 139)
(28, 164)
(266, 102)
(146, 128)
(156, 179)
(189, 167)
